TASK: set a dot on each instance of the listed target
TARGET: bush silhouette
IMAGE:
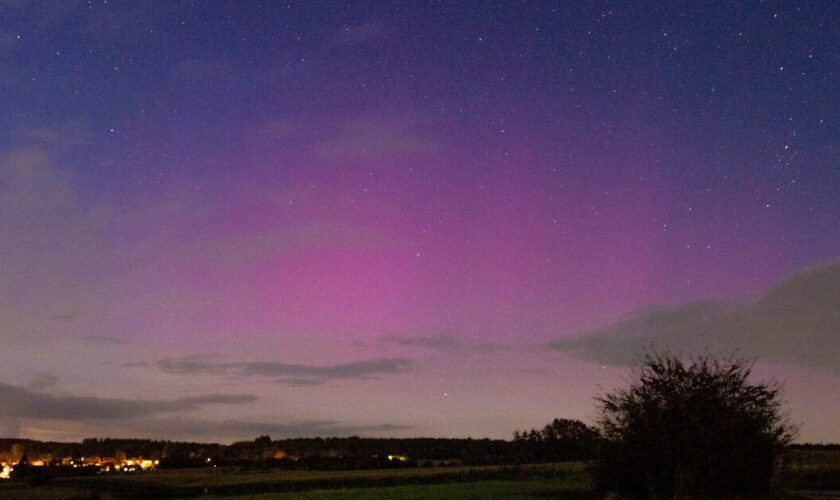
(691, 429)
(562, 439)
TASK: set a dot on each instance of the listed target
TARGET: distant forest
(317, 453)
(539, 445)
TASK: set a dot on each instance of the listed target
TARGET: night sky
(225, 219)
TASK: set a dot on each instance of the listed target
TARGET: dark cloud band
(287, 373)
(19, 402)
(797, 322)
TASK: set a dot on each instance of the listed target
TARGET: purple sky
(391, 219)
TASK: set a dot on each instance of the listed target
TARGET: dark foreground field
(812, 474)
(537, 481)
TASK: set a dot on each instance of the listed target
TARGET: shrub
(691, 429)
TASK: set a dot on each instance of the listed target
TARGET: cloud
(181, 428)
(281, 129)
(42, 380)
(796, 322)
(374, 138)
(198, 71)
(79, 415)
(378, 138)
(438, 342)
(44, 14)
(128, 19)
(20, 402)
(67, 134)
(65, 317)
(52, 239)
(443, 343)
(104, 339)
(285, 373)
(10, 427)
(290, 238)
(31, 185)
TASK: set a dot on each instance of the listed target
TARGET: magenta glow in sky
(384, 219)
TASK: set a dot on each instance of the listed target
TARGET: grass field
(524, 489)
(813, 470)
(470, 482)
(811, 474)
(534, 488)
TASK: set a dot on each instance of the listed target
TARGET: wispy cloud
(64, 134)
(20, 402)
(104, 339)
(797, 322)
(286, 373)
(51, 238)
(378, 138)
(46, 14)
(196, 70)
(42, 380)
(443, 343)
(47, 230)
(282, 129)
(179, 428)
(167, 419)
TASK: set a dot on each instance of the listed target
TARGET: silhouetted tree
(263, 441)
(562, 439)
(691, 429)
(22, 468)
